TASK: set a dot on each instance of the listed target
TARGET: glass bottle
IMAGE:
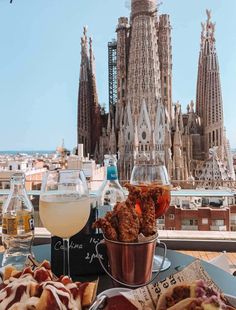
(111, 191)
(17, 224)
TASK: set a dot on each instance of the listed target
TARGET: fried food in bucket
(135, 215)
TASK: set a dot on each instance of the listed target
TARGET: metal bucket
(131, 263)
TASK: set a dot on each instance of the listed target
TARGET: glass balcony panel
(189, 227)
(218, 228)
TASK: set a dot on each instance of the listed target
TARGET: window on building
(165, 91)
(218, 222)
(193, 222)
(204, 221)
(171, 216)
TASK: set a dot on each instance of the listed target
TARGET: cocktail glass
(144, 175)
(64, 206)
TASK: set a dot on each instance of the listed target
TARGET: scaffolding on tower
(112, 73)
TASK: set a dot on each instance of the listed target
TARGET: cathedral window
(144, 135)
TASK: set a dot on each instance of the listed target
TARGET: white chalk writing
(59, 246)
(91, 257)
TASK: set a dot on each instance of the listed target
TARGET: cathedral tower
(143, 125)
(88, 124)
(209, 105)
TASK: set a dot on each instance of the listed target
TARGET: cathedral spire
(209, 104)
(84, 41)
(91, 55)
(178, 158)
(88, 108)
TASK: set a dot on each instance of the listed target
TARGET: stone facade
(144, 124)
(149, 126)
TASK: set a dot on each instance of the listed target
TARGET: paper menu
(145, 298)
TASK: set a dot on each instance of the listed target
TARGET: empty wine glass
(144, 175)
(64, 206)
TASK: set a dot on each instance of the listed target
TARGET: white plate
(113, 291)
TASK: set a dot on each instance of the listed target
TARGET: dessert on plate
(38, 289)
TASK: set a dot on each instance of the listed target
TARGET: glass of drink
(154, 175)
(64, 206)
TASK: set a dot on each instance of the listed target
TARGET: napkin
(221, 261)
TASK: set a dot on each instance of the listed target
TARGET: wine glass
(144, 175)
(64, 206)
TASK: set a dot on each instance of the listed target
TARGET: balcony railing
(218, 228)
(174, 238)
(199, 184)
(189, 227)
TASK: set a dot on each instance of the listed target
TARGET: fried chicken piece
(107, 229)
(120, 224)
(127, 221)
(148, 223)
(145, 197)
(134, 194)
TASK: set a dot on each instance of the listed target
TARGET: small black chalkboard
(83, 257)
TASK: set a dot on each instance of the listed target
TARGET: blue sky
(40, 62)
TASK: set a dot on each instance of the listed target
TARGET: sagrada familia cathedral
(143, 124)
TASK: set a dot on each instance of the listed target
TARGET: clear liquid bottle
(17, 224)
(111, 191)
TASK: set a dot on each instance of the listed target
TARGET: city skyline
(41, 59)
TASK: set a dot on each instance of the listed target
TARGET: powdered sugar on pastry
(35, 289)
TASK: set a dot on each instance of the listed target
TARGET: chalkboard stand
(83, 258)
